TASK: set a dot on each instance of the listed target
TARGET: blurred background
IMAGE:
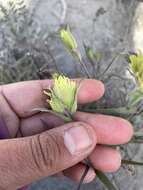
(29, 43)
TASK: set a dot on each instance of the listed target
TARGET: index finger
(25, 96)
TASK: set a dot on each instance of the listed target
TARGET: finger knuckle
(46, 152)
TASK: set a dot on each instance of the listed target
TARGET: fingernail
(77, 139)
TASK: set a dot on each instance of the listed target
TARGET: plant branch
(121, 111)
(110, 64)
(85, 68)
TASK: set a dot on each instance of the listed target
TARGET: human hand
(44, 152)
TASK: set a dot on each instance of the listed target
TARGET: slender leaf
(121, 111)
(132, 162)
(136, 141)
(135, 98)
(104, 179)
(138, 135)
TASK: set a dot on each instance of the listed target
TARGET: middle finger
(109, 130)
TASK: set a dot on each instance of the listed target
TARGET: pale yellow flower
(62, 96)
(136, 67)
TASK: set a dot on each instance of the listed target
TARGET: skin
(16, 103)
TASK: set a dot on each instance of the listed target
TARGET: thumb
(25, 160)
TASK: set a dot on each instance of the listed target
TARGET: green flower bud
(90, 54)
(70, 42)
(98, 56)
(68, 39)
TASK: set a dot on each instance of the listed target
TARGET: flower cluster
(62, 96)
(136, 67)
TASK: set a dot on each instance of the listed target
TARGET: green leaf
(104, 179)
(137, 138)
(138, 135)
(132, 162)
(135, 98)
(121, 111)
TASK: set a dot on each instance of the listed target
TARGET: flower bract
(62, 96)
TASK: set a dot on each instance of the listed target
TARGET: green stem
(45, 110)
(136, 142)
(105, 180)
(110, 64)
(86, 71)
(132, 162)
(138, 134)
(121, 111)
(85, 68)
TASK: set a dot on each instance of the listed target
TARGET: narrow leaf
(121, 111)
(104, 179)
(135, 98)
(132, 162)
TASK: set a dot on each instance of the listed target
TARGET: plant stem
(85, 68)
(110, 64)
(83, 177)
(136, 142)
(132, 162)
(105, 180)
(121, 111)
(86, 71)
(138, 134)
